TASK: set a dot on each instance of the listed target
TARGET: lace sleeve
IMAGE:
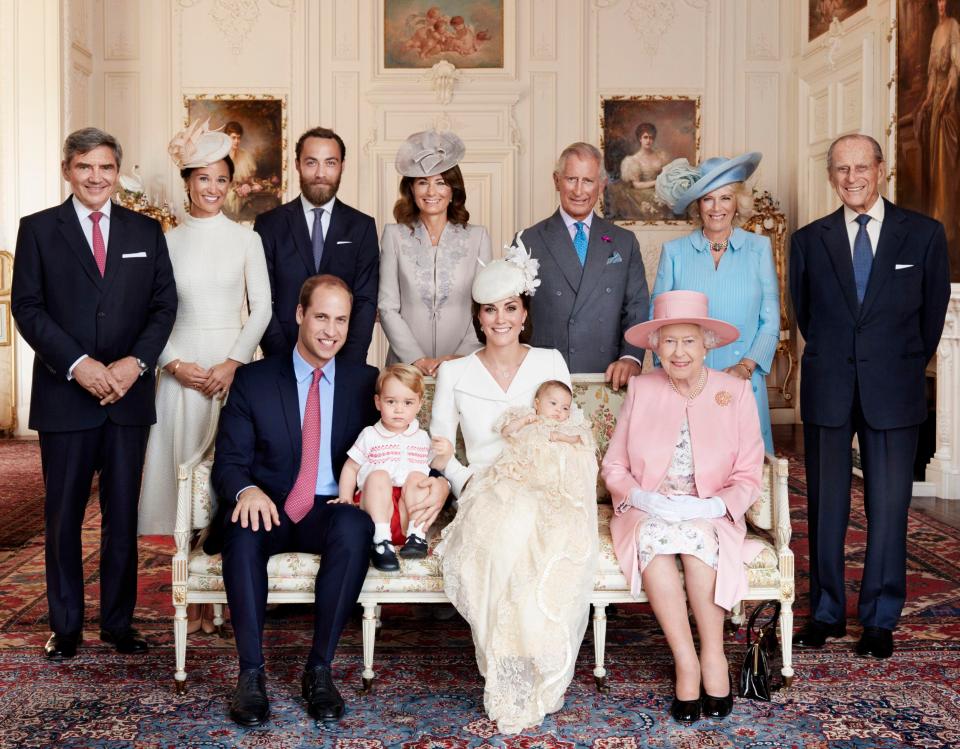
(518, 412)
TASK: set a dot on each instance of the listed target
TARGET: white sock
(381, 532)
(416, 530)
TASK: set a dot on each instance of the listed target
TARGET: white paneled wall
(141, 57)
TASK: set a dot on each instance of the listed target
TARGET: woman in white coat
(428, 259)
(219, 267)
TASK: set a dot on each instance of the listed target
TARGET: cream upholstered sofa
(197, 576)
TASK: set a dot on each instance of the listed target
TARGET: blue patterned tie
(580, 242)
(862, 256)
(317, 237)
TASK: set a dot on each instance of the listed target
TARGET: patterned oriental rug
(428, 693)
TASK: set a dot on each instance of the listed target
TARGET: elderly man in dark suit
(282, 442)
(870, 286)
(94, 296)
(317, 233)
(592, 282)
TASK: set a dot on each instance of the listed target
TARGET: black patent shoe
(384, 557)
(128, 642)
(814, 634)
(249, 706)
(685, 711)
(323, 700)
(414, 548)
(61, 647)
(716, 707)
(875, 641)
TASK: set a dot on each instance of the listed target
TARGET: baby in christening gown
(527, 596)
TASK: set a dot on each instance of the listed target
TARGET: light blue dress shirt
(742, 290)
(326, 482)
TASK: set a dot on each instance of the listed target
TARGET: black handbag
(755, 679)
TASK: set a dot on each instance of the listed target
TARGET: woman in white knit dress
(219, 266)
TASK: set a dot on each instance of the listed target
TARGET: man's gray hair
(85, 140)
(877, 150)
(583, 151)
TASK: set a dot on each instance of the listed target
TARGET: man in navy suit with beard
(94, 296)
(870, 286)
(317, 233)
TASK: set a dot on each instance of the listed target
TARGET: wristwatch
(142, 364)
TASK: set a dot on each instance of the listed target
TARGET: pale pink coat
(727, 458)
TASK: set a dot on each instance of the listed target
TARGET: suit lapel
(69, 227)
(837, 242)
(341, 397)
(290, 402)
(560, 247)
(335, 232)
(297, 223)
(892, 233)
(597, 254)
(116, 244)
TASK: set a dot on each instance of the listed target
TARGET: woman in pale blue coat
(734, 268)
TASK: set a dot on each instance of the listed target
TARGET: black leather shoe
(59, 647)
(414, 548)
(250, 706)
(685, 711)
(814, 634)
(876, 641)
(384, 557)
(128, 642)
(716, 707)
(323, 700)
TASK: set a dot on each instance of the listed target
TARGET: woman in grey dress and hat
(429, 257)
(733, 267)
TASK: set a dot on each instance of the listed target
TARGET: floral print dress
(695, 537)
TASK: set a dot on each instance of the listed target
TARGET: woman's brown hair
(525, 335)
(405, 210)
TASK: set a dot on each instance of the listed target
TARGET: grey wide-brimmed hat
(428, 153)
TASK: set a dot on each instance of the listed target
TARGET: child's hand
(442, 450)
(341, 501)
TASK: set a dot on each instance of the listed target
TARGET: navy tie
(862, 256)
(580, 242)
(317, 237)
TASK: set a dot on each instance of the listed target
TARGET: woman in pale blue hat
(733, 267)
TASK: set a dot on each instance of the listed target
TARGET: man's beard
(318, 194)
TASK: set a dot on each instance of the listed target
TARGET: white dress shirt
(570, 222)
(324, 218)
(83, 216)
(873, 227)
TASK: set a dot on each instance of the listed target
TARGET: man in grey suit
(592, 282)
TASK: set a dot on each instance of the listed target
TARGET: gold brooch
(723, 398)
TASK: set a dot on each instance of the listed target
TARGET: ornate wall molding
(442, 78)
(943, 470)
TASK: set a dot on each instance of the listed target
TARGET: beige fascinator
(428, 153)
(514, 274)
(197, 146)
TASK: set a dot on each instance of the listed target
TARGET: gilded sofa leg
(599, 645)
(370, 621)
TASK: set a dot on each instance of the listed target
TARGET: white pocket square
(133, 254)
(614, 258)
(902, 266)
(344, 241)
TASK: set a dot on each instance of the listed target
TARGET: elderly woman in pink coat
(683, 466)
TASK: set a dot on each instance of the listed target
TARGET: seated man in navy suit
(282, 441)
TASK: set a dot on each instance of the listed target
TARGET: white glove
(677, 508)
(700, 507)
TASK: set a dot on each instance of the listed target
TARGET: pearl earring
(522, 327)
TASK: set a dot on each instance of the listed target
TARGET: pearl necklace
(693, 393)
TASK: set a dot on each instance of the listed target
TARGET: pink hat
(676, 307)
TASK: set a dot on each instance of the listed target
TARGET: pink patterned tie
(99, 248)
(300, 499)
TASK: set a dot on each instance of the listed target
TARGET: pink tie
(99, 248)
(300, 499)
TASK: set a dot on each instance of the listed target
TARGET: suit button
(849, 360)
(101, 314)
(573, 351)
(603, 349)
(609, 289)
(572, 321)
(559, 292)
